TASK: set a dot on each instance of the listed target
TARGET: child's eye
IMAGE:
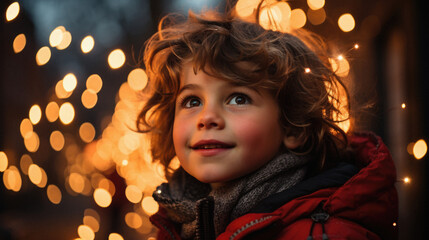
(190, 102)
(239, 99)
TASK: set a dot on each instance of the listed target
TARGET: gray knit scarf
(181, 196)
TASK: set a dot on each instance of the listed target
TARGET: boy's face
(222, 131)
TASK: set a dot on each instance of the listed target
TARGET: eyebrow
(188, 87)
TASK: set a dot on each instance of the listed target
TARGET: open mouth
(211, 144)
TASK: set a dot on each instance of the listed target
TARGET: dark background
(390, 68)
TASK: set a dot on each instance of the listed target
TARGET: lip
(214, 147)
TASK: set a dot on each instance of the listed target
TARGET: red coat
(345, 203)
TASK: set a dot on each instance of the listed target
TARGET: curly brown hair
(297, 74)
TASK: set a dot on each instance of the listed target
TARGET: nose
(211, 118)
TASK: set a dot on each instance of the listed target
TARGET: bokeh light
(44, 180)
(115, 236)
(26, 127)
(89, 98)
(133, 220)
(87, 132)
(54, 194)
(12, 179)
(133, 193)
(66, 40)
(297, 18)
(56, 36)
(149, 205)
(69, 82)
(91, 222)
(57, 140)
(12, 11)
(35, 174)
(60, 91)
(94, 83)
(315, 4)
(87, 44)
(66, 113)
(316, 17)
(3, 161)
(340, 66)
(346, 22)
(246, 8)
(32, 142)
(420, 149)
(35, 114)
(76, 182)
(52, 111)
(19, 43)
(85, 232)
(102, 197)
(137, 79)
(43, 56)
(25, 163)
(116, 59)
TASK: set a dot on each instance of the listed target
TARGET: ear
(292, 142)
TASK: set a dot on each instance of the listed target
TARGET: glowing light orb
(54, 194)
(102, 197)
(19, 43)
(52, 111)
(56, 37)
(87, 44)
(35, 114)
(297, 18)
(85, 232)
(94, 82)
(116, 59)
(150, 206)
(346, 22)
(315, 4)
(43, 56)
(87, 132)
(57, 140)
(12, 11)
(69, 82)
(3, 161)
(66, 113)
(137, 79)
(420, 149)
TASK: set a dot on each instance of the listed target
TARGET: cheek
(179, 135)
(258, 134)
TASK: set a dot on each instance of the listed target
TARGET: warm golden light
(245, 8)
(307, 70)
(56, 37)
(133, 193)
(76, 182)
(43, 56)
(31, 142)
(3, 161)
(116, 59)
(44, 180)
(52, 111)
(35, 174)
(102, 197)
(12, 11)
(394, 224)
(315, 4)
(94, 82)
(297, 18)
(19, 43)
(340, 66)
(356, 46)
(407, 180)
(410, 147)
(66, 113)
(115, 236)
(87, 132)
(87, 44)
(137, 79)
(69, 82)
(35, 114)
(25, 163)
(91, 222)
(12, 179)
(346, 22)
(26, 127)
(89, 99)
(316, 17)
(149, 205)
(54, 194)
(57, 140)
(420, 149)
(133, 220)
(403, 106)
(85, 232)
(66, 40)
(60, 91)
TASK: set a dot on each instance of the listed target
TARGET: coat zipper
(249, 225)
(205, 227)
